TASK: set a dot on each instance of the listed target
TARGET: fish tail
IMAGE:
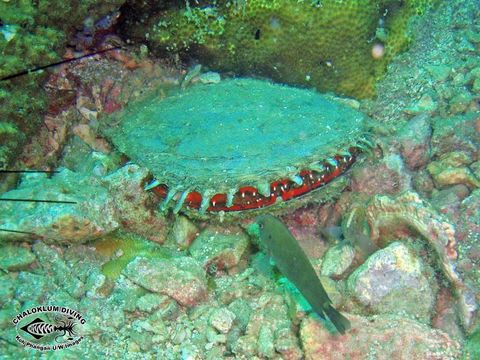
(341, 323)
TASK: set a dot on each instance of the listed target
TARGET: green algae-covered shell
(216, 138)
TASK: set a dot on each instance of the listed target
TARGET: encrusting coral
(325, 44)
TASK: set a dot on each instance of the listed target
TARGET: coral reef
(203, 291)
(437, 73)
(324, 44)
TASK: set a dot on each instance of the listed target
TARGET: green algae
(123, 248)
(472, 346)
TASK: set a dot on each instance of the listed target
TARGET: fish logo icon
(49, 327)
(39, 328)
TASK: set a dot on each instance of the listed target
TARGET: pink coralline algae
(390, 217)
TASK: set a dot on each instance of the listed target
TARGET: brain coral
(326, 44)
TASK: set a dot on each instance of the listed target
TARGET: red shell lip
(248, 197)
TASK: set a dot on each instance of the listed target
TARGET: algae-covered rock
(183, 232)
(385, 176)
(472, 346)
(222, 320)
(337, 260)
(452, 169)
(325, 44)
(96, 207)
(380, 337)
(90, 215)
(132, 205)
(268, 331)
(218, 251)
(14, 258)
(54, 266)
(414, 141)
(181, 278)
(392, 281)
(32, 34)
(455, 133)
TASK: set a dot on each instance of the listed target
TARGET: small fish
(293, 263)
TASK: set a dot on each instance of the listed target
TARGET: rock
(181, 278)
(452, 176)
(220, 251)
(91, 216)
(472, 350)
(422, 183)
(380, 337)
(242, 311)
(392, 281)
(54, 266)
(426, 104)
(386, 176)
(84, 132)
(286, 343)
(455, 133)
(266, 347)
(476, 86)
(150, 302)
(408, 214)
(469, 224)
(133, 205)
(415, 142)
(460, 102)
(439, 72)
(79, 157)
(469, 234)
(451, 169)
(7, 289)
(15, 258)
(182, 233)
(447, 201)
(210, 77)
(445, 317)
(27, 281)
(305, 225)
(222, 320)
(245, 347)
(337, 260)
(475, 167)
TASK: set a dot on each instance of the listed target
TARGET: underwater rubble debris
(384, 215)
